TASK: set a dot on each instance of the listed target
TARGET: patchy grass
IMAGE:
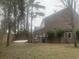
(39, 51)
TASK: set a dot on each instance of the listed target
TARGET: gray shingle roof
(61, 20)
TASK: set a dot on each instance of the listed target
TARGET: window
(69, 35)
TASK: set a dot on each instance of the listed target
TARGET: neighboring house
(39, 34)
(61, 20)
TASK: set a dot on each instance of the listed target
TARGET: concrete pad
(20, 41)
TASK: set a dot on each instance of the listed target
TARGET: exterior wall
(67, 38)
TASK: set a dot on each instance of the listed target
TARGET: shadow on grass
(70, 46)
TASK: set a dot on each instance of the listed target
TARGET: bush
(55, 35)
(59, 33)
(51, 34)
(77, 34)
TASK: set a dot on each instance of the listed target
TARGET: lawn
(39, 51)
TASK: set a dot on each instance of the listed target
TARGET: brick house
(60, 20)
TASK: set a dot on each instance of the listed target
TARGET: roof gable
(61, 19)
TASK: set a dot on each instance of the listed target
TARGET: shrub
(51, 34)
(55, 35)
(59, 34)
(77, 34)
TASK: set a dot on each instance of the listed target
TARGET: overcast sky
(52, 6)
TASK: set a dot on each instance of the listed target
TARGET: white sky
(51, 7)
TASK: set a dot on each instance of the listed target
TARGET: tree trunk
(18, 26)
(27, 25)
(8, 36)
(73, 27)
(9, 25)
(31, 24)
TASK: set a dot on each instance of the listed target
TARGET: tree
(35, 5)
(13, 8)
(14, 11)
(71, 5)
(19, 14)
(8, 7)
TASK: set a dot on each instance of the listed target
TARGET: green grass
(39, 51)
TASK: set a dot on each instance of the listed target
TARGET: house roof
(41, 30)
(61, 20)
